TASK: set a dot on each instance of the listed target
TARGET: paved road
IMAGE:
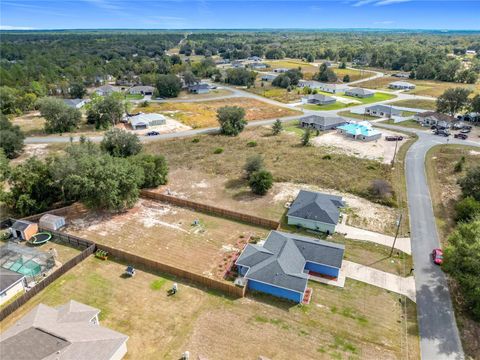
(439, 337)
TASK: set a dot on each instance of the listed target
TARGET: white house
(11, 284)
(141, 90)
(75, 103)
(401, 85)
(144, 121)
(430, 118)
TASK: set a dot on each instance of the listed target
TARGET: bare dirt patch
(167, 233)
(204, 114)
(380, 149)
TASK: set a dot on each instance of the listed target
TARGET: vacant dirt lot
(204, 114)
(167, 234)
(30, 123)
(359, 321)
(284, 157)
(380, 149)
(219, 191)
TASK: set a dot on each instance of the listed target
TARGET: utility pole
(399, 221)
(395, 151)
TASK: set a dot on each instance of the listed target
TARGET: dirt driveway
(380, 149)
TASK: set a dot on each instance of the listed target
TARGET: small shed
(23, 230)
(51, 222)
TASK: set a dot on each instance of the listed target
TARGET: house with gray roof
(67, 332)
(11, 284)
(401, 85)
(322, 123)
(105, 90)
(430, 118)
(75, 103)
(141, 90)
(144, 121)
(280, 70)
(201, 88)
(359, 93)
(318, 99)
(281, 266)
(316, 211)
(382, 111)
(268, 77)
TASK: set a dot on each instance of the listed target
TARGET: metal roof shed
(51, 222)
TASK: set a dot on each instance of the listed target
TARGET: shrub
(470, 184)
(467, 209)
(252, 144)
(459, 165)
(195, 140)
(381, 189)
(327, 157)
(260, 182)
(155, 169)
(218, 151)
(120, 143)
(306, 137)
(253, 164)
(277, 127)
(11, 138)
(232, 120)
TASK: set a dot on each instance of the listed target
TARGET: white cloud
(378, 2)
(9, 27)
(389, 2)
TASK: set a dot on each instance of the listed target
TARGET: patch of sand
(380, 149)
(171, 126)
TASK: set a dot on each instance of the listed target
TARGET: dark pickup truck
(461, 136)
(394, 138)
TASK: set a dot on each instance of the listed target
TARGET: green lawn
(379, 96)
(335, 106)
(407, 123)
(356, 116)
(134, 96)
(416, 104)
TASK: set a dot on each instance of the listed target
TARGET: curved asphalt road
(439, 337)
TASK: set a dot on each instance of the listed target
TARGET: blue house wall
(322, 269)
(275, 291)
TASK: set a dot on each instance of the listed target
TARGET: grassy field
(347, 113)
(204, 114)
(169, 231)
(378, 96)
(335, 106)
(134, 96)
(275, 93)
(33, 123)
(407, 123)
(284, 157)
(358, 321)
(353, 73)
(307, 68)
(423, 87)
(186, 95)
(416, 104)
(444, 191)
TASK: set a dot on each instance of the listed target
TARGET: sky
(233, 14)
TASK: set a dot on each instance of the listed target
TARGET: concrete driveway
(397, 284)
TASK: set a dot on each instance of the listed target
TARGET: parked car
(153, 133)
(394, 138)
(442, 133)
(437, 256)
(461, 136)
(465, 131)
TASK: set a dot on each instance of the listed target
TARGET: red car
(437, 256)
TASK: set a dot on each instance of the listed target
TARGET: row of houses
(282, 264)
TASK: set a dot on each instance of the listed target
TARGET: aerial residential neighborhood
(239, 180)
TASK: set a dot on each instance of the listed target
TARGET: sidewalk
(353, 233)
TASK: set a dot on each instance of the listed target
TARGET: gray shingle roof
(73, 102)
(63, 333)
(358, 91)
(320, 97)
(322, 120)
(21, 225)
(316, 206)
(436, 115)
(387, 109)
(8, 278)
(282, 258)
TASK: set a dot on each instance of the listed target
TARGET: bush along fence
(134, 260)
(59, 212)
(209, 209)
(14, 305)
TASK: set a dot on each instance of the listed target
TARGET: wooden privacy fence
(134, 260)
(10, 308)
(209, 209)
(60, 212)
